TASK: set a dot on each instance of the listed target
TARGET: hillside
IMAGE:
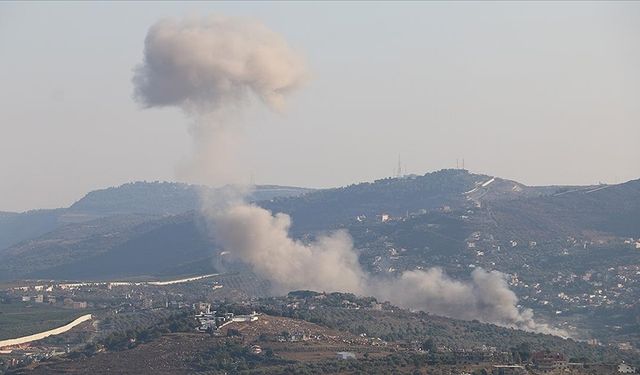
(303, 334)
(439, 212)
(172, 246)
(568, 251)
(353, 314)
(115, 246)
(162, 198)
(331, 208)
(115, 220)
(147, 198)
(608, 209)
(16, 227)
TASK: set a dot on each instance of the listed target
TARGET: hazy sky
(539, 92)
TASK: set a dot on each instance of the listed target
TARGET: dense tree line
(230, 356)
(400, 325)
(120, 340)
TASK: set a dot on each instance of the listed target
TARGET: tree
(233, 332)
(524, 350)
(429, 345)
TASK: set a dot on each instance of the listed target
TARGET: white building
(345, 355)
(246, 318)
(624, 368)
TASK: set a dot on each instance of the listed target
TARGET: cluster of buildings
(212, 321)
(123, 296)
(613, 287)
(26, 356)
(546, 362)
(53, 300)
(632, 242)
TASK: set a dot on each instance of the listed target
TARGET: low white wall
(42, 335)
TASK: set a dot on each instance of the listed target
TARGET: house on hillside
(256, 349)
(77, 305)
(345, 355)
(202, 307)
(549, 361)
(246, 318)
(624, 368)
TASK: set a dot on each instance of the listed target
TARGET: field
(289, 346)
(178, 353)
(170, 354)
(21, 319)
(321, 343)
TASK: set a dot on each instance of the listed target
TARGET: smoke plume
(210, 67)
(486, 297)
(253, 235)
(330, 263)
(204, 64)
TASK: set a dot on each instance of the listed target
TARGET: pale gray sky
(540, 92)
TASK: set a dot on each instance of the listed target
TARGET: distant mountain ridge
(163, 197)
(606, 209)
(447, 188)
(119, 224)
(149, 198)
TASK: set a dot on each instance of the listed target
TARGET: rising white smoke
(256, 237)
(209, 67)
(205, 64)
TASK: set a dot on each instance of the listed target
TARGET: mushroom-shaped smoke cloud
(208, 66)
(202, 64)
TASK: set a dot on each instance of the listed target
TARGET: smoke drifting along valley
(209, 67)
(330, 263)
